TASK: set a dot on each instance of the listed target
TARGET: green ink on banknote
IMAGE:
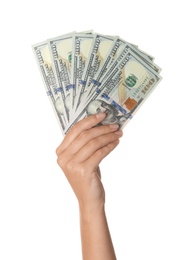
(131, 80)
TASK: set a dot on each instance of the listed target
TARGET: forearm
(79, 156)
(95, 235)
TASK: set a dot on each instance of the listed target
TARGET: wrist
(88, 212)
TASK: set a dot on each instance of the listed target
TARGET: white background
(145, 178)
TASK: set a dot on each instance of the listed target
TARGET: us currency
(80, 51)
(43, 58)
(131, 84)
(100, 48)
(122, 92)
(117, 53)
(61, 53)
(118, 49)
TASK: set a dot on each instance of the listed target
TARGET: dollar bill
(116, 54)
(43, 58)
(80, 51)
(122, 93)
(131, 84)
(61, 53)
(117, 50)
(86, 73)
(100, 48)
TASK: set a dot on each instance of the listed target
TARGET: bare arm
(79, 155)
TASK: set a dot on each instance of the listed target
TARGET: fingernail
(120, 132)
(100, 115)
(114, 126)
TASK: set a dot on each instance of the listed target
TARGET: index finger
(78, 128)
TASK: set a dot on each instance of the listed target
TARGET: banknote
(116, 51)
(87, 72)
(61, 54)
(99, 49)
(132, 82)
(80, 51)
(122, 92)
(116, 54)
(43, 58)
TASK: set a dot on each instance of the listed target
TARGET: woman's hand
(79, 156)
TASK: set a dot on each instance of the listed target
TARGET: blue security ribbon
(104, 95)
(59, 89)
(71, 86)
(122, 110)
(96, 83)
(83, 82)
(49, 93)
(97, 90)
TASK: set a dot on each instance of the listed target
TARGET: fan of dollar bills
(88, 73)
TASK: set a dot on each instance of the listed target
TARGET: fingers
(78, 128)
(95, 144)
(100, 154)
(90, 135)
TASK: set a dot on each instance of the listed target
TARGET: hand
(80, 153)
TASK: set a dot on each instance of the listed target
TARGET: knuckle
(91, 120)
(82, 170)
(73, 168)
(74, 128)
(61, 161)
(58, 161)
(69, 166)
(94, 142)
(84, 135)
(57, 151)
(60, 148)
(99, 152)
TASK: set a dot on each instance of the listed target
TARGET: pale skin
(79, 156)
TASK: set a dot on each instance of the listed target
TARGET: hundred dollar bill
(119, 48)
(43, 58)
(122, 92)
(99, 49)
(115, 56)
(80, 51)
(131, 84)
(61, 53)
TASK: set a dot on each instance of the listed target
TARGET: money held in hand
(88, 73)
